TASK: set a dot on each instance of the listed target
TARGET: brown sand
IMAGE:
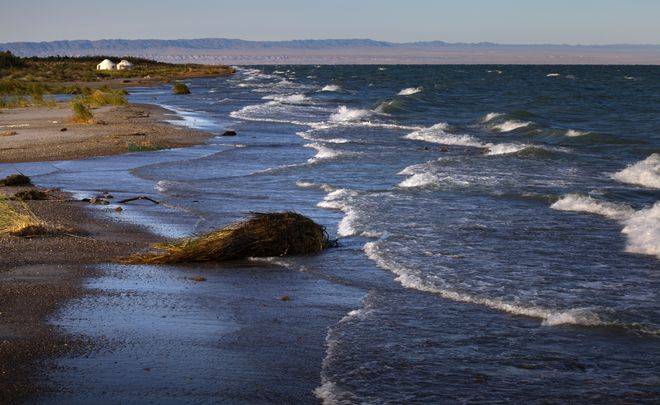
(39, 135)
(38, 275)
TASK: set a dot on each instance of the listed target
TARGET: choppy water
(503, 222)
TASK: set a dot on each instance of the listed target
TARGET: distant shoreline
(344, 51)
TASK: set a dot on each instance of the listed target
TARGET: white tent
(124, 65)
(107, 64)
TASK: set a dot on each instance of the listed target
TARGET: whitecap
(643, 231)
(345, 114)
(645, 173)
(331, 88)
(574, 133)
(491, 116)
(552, 75)
(510, 125)
(288, 99)
(410, 91)
(582, 203)
(419, 180)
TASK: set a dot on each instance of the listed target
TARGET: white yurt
(107, 64)
(124, 65)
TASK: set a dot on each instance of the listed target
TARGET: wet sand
(44, 134)
(38, 275)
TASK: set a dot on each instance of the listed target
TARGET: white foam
(331, 88)
(491, 116)
(510, 125)
(419, 180)
(504, 148)
(643, 231)
(410, 91)
(288, 99)
(582, 203)
(645, 173)
(552, 75)
(345, 114)
(322, 152)
(642, 228)
(437, 134)
(574, 133)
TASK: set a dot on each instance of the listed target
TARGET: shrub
(81, 113)
(180, 88)
(99, 98)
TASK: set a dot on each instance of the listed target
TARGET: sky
(501, 21)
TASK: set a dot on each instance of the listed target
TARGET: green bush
(180, 88)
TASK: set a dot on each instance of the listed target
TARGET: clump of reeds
(81, 113)
(262, 235)
(30, 195)
(99, 98)
(16, 180)
(180, 88)
(19, 220)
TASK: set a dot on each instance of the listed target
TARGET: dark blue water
(503, 222)
(516, 206)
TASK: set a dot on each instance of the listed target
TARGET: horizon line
(437, 41)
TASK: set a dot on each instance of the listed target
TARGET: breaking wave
(410, 91)
(642, 228)
(345, 114)
(511, 125)
(331, 88)
(288, 99)
(491, 116)
(575, 133)
(645, 173)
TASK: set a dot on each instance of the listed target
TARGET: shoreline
(41, 134)
(39, 276)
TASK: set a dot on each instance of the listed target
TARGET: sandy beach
(42, 134)
(38, 275)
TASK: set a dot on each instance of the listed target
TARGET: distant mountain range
(337, 51)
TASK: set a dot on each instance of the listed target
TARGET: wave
(437, 134)
(581, 203)
(575, 133)
(642, 228)
(339, 200)
(511, 125)
(331, 88)
(552, 75)
(643, 231)
(288, 99)
(419, 180)
(411, 278)
(323, 152)
(490, 116)
(345, 114)
(410, 91)
(645, 173)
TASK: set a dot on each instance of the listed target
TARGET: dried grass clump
(81, 113)
(30, 195)
(99, 98)
(262, 235)
(16, 180)
(18, 220)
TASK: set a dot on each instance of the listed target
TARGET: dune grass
(261, 235)
(16, 219)
(81, 113)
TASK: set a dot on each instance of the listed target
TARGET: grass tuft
(18, 220)
(81, 113)
(261, 235)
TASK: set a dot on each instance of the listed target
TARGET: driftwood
(141, 197)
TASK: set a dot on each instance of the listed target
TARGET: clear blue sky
(504, 21)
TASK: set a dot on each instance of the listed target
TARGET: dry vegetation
(262, 235)
(25, 81)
